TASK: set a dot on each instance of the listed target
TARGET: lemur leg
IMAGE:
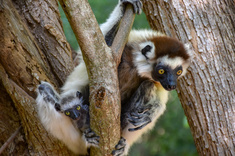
(91, 138)
(137, 114)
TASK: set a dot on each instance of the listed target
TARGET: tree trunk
(33, 48)
(207, 91)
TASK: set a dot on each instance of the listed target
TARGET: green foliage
(171, 135)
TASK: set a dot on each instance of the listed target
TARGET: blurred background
(171, 135)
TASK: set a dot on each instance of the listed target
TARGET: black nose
(170, 87)
(75, 115)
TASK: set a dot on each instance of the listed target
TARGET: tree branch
(4, 146)
(122, 34)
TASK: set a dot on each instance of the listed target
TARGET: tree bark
(207, 91)
(31, 50)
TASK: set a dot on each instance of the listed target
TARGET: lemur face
(167, 76)
(162, 59)
(73, 107)
(167, 70)
(76, 112)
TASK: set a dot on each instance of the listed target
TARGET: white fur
(143, 65)
(143, 35)
(113, 19)
(171, 62)
(60, 126)
(144, 68)
(77, 80)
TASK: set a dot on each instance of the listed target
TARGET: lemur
(150, 66)
(66, 118)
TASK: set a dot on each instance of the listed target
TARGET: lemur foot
(137, 5)
(139, 118)
(119, 148)
(91, 137)
(48, 93)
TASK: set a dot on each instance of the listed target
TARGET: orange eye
(161, 71)
(179, 72)
(67, 113)
(78, 107)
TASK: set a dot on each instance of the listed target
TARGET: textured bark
(207, 91)
(23, 63)
(102, 71)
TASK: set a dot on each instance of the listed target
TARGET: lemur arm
(140, 114)
(146, 105)
(110, 27)
(57, 123)
(138, 111)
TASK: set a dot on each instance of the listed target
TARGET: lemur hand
(137, 5)
(140, 117)
(119, 148)
(91, 137)
(48, 93)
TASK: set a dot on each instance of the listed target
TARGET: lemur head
(73, 106)
(162, 59)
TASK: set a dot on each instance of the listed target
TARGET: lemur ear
(57, 107)
(79, 94)
(147, 49)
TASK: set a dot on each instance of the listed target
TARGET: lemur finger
(140, 127)
(94, 141)
(138, 122)
(119, 148)
(121, 143)
(89, 133)
(137, 5)
(144, 109)
(138, 115)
